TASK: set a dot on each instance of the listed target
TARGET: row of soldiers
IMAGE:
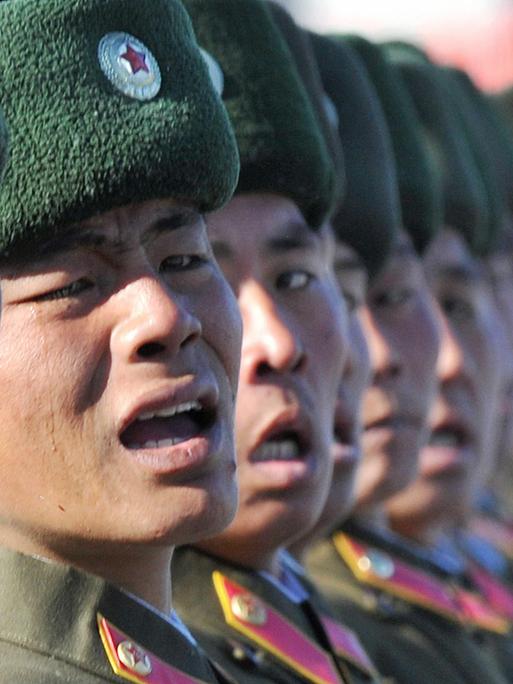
(256, 353)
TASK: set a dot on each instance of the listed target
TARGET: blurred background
(476, 35)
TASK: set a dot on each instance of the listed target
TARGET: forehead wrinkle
(111, 238)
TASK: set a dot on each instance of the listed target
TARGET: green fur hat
(370, 215)
(108, 102)
(496, 131)
(465, 203)
(484, 151)
(419, 186)
(3, 145)
(299, 44)
(281, 146)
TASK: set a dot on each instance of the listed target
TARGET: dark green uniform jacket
(59, 625)
(408, 634)
(254, 630)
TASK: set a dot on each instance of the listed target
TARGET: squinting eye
(72, 290)
(182, 262)
(457, 309)
(293, 280)
(393, 297)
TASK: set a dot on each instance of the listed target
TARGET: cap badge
(129, 65)
(377, 562)
(214, 70)
(134, 658)
(249, 609)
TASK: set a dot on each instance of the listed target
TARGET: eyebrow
(95, 237)
(294, 236)
(463, 273)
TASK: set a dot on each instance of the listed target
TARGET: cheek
(64, 364)
(421, 343)
(327, 338)
(222, 326)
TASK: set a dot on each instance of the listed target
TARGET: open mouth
(168, 426)
(454, 436)
(343, 432)
(285, 446)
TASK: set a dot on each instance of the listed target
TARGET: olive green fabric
(281, 146)
(298, 42)
(496, 131)
(464, 196)
(481, 146)
(370, 216)
(401, 50)
(49, 632)
(79, 145)
(246, 661)
(408, 644)
(503, 102)
(419, 185)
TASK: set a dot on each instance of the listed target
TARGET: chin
(202, 515)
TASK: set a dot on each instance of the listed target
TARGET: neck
(373, 517)
(247, 555)
(424, 534)
(141, 571)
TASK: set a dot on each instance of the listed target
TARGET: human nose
(154, 321)
(384, 357)
(357, 363)
(269, 342)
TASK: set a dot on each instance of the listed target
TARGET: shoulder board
(249, 615)
(380, 570)
(495, 531)
(134, 663)
(499, 596)
(347, 644)
(475, 612)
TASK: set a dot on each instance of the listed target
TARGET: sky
(386, 17)
(476, 35)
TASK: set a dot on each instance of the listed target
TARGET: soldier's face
(346, 448)
(294, 344)
(469, 379)
(119, 360)
(402, 333)
(500, 271)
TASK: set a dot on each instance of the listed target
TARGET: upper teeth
(171, 410)
(278, 451)
(445, 438)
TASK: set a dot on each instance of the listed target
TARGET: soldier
(365, 234)
(361, 566)
(461, 451)
(248, 608)
(120, 337)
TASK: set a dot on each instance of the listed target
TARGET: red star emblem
(137, 60)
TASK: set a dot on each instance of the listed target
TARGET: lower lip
(190, 457)
(281, 475)
(445, 460)
(344, 455)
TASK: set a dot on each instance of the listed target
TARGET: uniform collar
(54, 609)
